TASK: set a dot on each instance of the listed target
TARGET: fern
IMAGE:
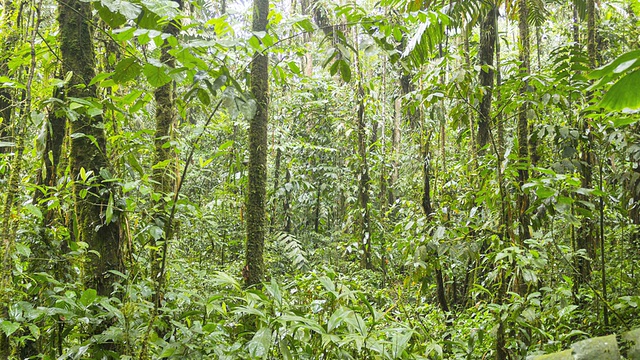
(291, 249)
(537, 12)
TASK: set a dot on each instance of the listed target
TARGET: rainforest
(319, 179)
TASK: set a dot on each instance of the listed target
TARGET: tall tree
(485, 56)
(257, 181)
(8, 38)
(586, 238)
(523, 124)
(363, 173)
(165, 171)
(9, 224)
(95, 212)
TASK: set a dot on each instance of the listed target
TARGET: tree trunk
(257, 182)
(276, 186)
(395, 151)
(585, 239)
(523, 125)
(287, 203)
(164, 177)
(363, 185)
(485, 55)
(8, 38)
(94, 196)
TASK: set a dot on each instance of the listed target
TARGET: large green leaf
(260, 344)
(156, 75)
(88, 297)
(127, 69)
(9, 327)
(616, 67)
(623, 94)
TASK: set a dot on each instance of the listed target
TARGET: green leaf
(9, 327)
(127, 69)
(260, 343)
(294, 67)
(23, 250)
(32, 209)
(109, 212)
(113, 19)
(544, 192)
(168, 351)
(116, 12)
(156, 232)
(96, 79)
(305, 24)
(616, 66)
(156, 75)
(399, 342)
(623, 121)
(88, 297)
(623, 95)
(337, 318)
(204, 97)
(345, 70)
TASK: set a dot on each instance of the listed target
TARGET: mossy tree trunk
(165, 169)
(95, 211)
(9, 225)
(257, 181)
(485, 57)
(585, 240)
(8, 38)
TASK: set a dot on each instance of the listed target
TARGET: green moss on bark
(88, 151)
(257, 181)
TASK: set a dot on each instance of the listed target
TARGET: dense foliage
(444, 179)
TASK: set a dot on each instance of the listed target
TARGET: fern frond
(538, 13)
(292, 249)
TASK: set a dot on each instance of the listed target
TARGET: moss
(88, 152)
(257, 180)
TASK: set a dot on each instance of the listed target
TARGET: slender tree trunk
(165, 166)
(276, 186)
(8, 38)
(257, 183)
(523, 124)
(316, 214)
(9, 223)
(363, 185)
(485, 54)
(395, 151)
(95, 210)
(467, 116)
(287, 203)
(585, 239)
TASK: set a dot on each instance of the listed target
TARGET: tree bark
(523, 125)
(164, 176)
(585, 239)
(485, 55)
(363, 185)
(8, 38)
(257, 182)
(395, 151)
(95, 196)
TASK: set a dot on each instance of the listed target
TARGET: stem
(605, 311)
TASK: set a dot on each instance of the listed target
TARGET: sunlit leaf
(623, 95)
